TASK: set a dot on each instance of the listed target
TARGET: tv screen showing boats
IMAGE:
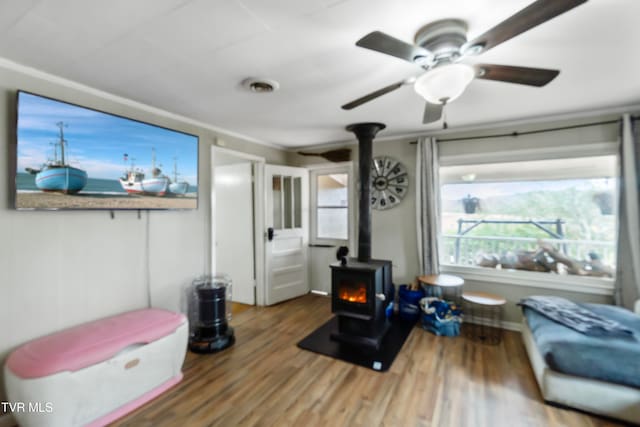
(73, 157)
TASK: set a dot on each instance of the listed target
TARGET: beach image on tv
(71, 157)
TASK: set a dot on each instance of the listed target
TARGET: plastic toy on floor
(443, 318)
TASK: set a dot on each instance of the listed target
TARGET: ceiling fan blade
(432, 112)
(520, 75)
(384, 43)
(373, 95)
(533, 15)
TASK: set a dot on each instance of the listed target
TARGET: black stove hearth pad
(319, 341)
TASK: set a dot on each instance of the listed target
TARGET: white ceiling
(189, 57)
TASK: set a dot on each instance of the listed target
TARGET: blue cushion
(611, 359)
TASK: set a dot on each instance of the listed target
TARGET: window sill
(585, 285)
(328, 243)
(322, 245)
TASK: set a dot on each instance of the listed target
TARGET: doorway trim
(257, 163)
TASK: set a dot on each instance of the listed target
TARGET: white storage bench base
(94, 373)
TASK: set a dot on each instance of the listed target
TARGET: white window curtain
(427, 205)
(628, 268)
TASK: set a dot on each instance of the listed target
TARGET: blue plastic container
(409, 303)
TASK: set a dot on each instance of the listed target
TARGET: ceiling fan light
(444, 83)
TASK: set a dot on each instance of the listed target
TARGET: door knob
(270, 233)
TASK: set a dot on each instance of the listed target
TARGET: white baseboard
(509, 326)
(7, 420)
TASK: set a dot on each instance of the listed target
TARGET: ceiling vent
(260, 85)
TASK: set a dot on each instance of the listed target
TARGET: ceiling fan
(441, 46)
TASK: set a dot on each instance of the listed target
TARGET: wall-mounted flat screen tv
(73, 157)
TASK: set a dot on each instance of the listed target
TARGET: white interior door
(234, 238)
(287, 216)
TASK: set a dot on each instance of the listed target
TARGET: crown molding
(412, 136)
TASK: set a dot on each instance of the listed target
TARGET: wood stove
(360, 288)
(360, 293)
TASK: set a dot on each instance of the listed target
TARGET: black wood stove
(360, 287)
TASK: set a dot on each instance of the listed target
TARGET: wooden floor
(237, 308)
(266, 380)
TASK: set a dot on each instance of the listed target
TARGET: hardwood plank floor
(266, 380)
(237, 308)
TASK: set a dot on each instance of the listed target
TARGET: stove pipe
(365, 132)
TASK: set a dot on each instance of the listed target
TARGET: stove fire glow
(353, 292)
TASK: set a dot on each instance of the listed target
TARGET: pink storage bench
(94, 373)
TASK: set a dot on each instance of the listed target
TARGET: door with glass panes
(287, 213)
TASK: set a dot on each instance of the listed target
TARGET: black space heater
(209, 314)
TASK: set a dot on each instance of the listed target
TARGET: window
(330, 205)
(287, 202)
(555, 216)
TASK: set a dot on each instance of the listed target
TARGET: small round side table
(486, 311)
(444, 286)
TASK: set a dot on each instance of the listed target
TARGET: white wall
(394, 230)
(319, 272)
(58, 269)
